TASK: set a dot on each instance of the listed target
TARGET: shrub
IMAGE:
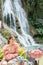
(38, 23)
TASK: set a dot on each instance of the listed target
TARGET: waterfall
(21, 15)
(8, 10)
(15, 8)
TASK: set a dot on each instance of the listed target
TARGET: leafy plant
(40, 31)
(38, 23)
(22, 52)
(1, 53)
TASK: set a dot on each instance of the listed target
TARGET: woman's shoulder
(6, 46)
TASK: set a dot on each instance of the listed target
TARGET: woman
(10, 50)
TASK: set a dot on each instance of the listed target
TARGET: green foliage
(1, 53)
(40, 31)
(35, 8)
(6, 34)
(22, 52)
(38, 23)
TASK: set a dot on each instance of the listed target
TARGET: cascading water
(8, 9)
(17, 11)
(21, 15)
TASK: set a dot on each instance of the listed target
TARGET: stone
(0, 24)
(3, 41)
(3, 62)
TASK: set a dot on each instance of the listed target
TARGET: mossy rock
(6, 34)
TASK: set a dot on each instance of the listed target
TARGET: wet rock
(25, 6)
(2, 40)
(0, 10)
(18, 27)
(32, 30)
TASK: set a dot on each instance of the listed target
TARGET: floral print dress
(10, 52)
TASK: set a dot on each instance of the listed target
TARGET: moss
(6, 34)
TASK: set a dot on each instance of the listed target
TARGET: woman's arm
(6, 52)
(16, 51)
(5, 49)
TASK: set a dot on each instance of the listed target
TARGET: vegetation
(6, 34)
(35, 15)
(22, 52)
(1, 53)
(35, 8)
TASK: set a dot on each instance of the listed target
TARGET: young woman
(10, 50)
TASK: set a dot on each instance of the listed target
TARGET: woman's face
(12, 40)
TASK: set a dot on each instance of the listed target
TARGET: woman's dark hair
(9, 39)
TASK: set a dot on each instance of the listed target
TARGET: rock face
(2, 40)
(25, 6)
(18, 26)
(0, 11)
(1, 14)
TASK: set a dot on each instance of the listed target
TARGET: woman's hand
(8, 57)
(6, 52)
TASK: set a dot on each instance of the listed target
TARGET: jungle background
(34, 9)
